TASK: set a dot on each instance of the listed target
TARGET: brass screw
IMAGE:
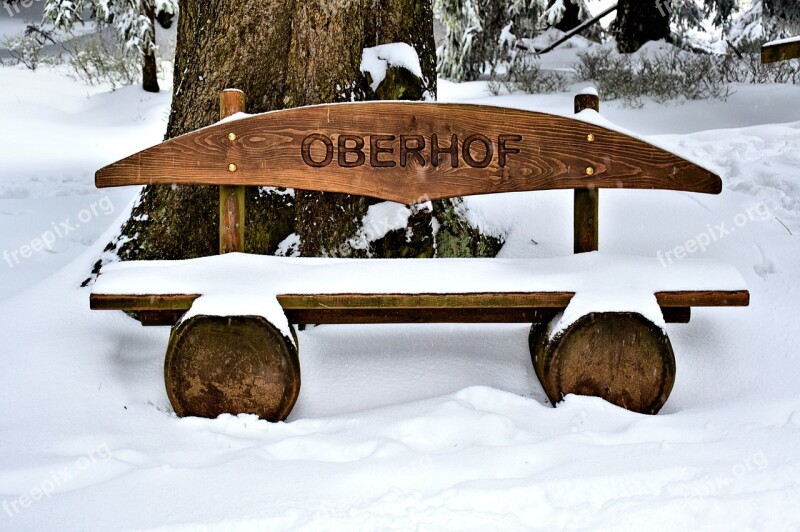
(590, 137)
(232, 167)
(590, 171)
(232, 136)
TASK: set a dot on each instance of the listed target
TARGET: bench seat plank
(406, 308)
(328, 302)
(415, 291)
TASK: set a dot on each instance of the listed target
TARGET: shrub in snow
(662, 76)
(26, 49)
(96, 62)
(525, 74)
(673, 74)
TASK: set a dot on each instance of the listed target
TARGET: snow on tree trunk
(309, 52)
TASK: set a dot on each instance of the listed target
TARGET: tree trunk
(641, 21)
(149, 65)
(284, 54)
(571, 18)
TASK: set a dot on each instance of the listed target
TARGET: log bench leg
(235, 365)
(621, 357)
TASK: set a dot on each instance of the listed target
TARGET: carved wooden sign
(403, 152)
(475, 151)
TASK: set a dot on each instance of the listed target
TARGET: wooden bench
(781, 50)
(233, 348)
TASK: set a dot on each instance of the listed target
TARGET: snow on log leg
(621, 357)
(235, 365)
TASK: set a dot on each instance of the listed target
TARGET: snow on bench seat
(241, 284)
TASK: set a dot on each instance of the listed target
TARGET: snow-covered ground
(429, 427)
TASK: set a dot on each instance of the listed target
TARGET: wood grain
(586, 210)
(709, 298)
(586, 223)
(404, 152)
(622, 357)
(231, 365)
(780, 52)
(413, 308)
(231, 199)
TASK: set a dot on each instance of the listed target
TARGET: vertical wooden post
(231, 199)
(587, 202)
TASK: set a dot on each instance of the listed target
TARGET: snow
(289, 247)
(404, 427)
(787, 40)
(377, 60)
(381, 219)
(11, 27)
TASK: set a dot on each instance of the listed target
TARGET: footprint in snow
(765, 269)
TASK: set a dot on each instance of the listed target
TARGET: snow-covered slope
(402, 427)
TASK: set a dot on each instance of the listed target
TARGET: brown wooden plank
(413, 308)
(159, 318)
(375, 149)
(231, 199)
(156, 318)
(677, 314)
(346, 301)
(780, 52)
(131, 303)
(587, 202)
(587, 221)
(421, 315)
(425, 301)
(711, 298)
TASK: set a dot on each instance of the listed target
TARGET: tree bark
(571, 18)
(282, 54)
(640, 21)
(149, 65)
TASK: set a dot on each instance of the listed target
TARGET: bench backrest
(410, 152)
